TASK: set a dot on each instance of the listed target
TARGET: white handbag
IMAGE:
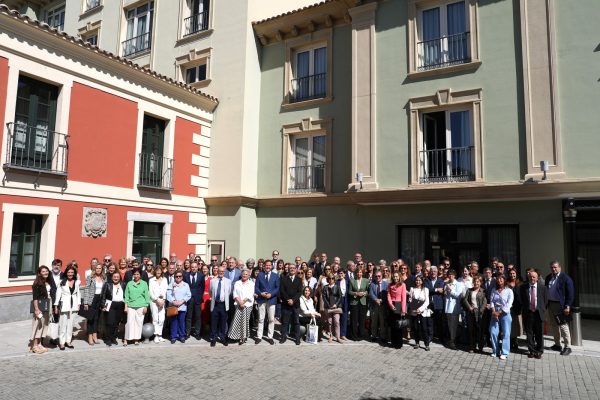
(312, 332)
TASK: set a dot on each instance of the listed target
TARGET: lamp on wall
(569, 209)
(544, 168)
(359, 179)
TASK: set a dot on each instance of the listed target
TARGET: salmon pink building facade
(98, 156)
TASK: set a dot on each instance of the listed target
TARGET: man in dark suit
(233, 274)
(435, 286)
(534, 297)
(135, 266)
(195, 279)
(267, 290)
(561, 294)
(289, 293)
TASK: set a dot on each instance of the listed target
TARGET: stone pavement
(350, 371)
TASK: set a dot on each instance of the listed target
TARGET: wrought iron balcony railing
(136, 44)
(196, 23)
(444, 51)
(156, 172)
(309, 87)
(91, 4)
(307, 179)
(36, 148)
(447, 165)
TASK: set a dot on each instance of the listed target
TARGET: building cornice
(20, 25)
(451, 193)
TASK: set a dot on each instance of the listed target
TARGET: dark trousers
(344, 318)
(452, 327)
(289, 315)
(194, 314)
(439, 325)
(475, 328)
(113, 318)
(94, 315)
(358, 315)
(485, 322)
(534, 329)
(218, 322)
(422, 329)
(178, 326)
(396, 334)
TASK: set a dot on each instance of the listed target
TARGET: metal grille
(444, 51)
(307, 179)
(196, 23)
(136, 44)
(309, 87)
(156, 171)
(447, 165)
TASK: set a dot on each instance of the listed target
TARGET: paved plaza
(324, 371)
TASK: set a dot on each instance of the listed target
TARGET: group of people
(389, 304)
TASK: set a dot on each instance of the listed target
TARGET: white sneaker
(160, 339)
(493, 355)
(503, 358)
(156, 339)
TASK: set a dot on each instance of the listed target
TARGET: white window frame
(414, 30)
(165, 219)
(217, 243)
(47, 242)
(136, 17)
(51, 13)
(311, 69)
(88, 5)
(191, 59)
(197, 68)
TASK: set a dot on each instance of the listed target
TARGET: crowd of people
(391, 304)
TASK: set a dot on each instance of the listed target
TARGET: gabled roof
(75, 41)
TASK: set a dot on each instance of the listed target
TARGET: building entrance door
(147, 240)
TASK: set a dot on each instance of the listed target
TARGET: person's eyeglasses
(377, 276)
(361, 263)
(327, 268)
(447, 264)
(107, 260)
(178, 276)
(150, 265)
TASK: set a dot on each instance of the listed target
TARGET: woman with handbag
(397, 302)
(158, 296)
(475, 304)
(332, 303)
(91, 302)
(243, 297)
(68, 300)
(178, 294)
(308, 313)
(420, 314)
(113, 305)
(40, 307)
(137, 299)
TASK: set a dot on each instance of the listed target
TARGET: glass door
(147, 240)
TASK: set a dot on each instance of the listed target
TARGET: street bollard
(576, 327)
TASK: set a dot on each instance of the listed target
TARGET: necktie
(533, 299)
(218, 297)
(268, 278)
(378, 290)
(193, 279)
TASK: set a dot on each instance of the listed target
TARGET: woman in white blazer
(158, 295)
(68, 299)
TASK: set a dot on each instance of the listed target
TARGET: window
(195, 73)
(307, 157)
(147, 240)
(90, 5)
(156, 171)
(33, 144)
(56, 17)
(199, 15)
(443, 36)
(462, 244)
(307, 173)
(309, 74)
(446, 137)
(447, 154)
(216, 248)
(92, 39)
(139, 29)
(25, 245)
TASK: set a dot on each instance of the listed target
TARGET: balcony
(309, 87)
(196, 23)
(307, 179)
(32, 148)
(447, 165)
(444, 52)
(91, 4)
(156, 172)
(136, 45)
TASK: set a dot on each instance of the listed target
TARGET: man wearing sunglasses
(220, 291)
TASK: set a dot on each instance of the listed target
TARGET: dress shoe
(566, 351)
(182, 340)
(198, 337)
(61, 347)
(282, 340)
(270, 341)
(257, 341)
(538, 356)
(69, 345)
(213, 343)
(298, 342)
(531, 355)
(556, 348)
(173, 341)
(427, 348)
(115, 342)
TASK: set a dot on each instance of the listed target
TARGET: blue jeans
(178, 326)
(495, 324)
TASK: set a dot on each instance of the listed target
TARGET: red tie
(533, 296)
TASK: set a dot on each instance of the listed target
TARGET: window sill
(445, 185)
(193, 37)
(34, 171)
(24, 279)
(154, 188)
(444, 70)
(200, 84)
(322, 193)
(306, 103)
(139, 54)
(91, 11)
